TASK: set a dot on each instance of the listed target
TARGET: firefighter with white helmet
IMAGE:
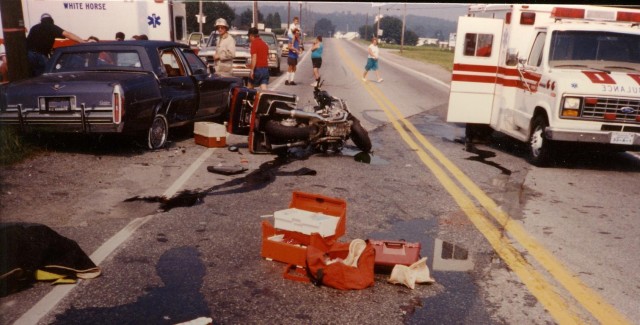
(225, 49)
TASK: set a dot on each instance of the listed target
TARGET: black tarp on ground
(25, 248)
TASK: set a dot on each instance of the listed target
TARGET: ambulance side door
(475, 70)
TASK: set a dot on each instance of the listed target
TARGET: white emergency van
(546, 74)
(158, 19)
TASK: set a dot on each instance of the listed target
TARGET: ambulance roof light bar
(599, 15)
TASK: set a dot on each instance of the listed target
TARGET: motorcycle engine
(341, 130)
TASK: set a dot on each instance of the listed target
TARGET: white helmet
(221, 22)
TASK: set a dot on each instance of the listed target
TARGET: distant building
(423, 41)
(349, 35)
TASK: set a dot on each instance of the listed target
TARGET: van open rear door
(475, 70)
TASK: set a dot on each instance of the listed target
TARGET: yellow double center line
(560, 308)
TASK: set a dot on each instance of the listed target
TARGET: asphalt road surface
(507, 243)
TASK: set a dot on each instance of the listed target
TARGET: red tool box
(290, 246)
(389, 253)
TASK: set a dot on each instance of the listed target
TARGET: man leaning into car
(225, 50)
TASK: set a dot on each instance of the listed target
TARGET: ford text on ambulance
(549, 74)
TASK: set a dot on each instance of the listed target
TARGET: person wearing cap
(40, 42)
(259, 60)
(225, 50)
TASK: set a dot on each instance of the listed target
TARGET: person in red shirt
(259, 60)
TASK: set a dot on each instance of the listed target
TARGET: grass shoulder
(14, 148)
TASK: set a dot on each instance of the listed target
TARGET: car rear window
(98, 60)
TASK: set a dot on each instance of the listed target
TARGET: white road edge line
(48, 302)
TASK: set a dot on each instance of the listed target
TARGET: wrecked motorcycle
(273, 122)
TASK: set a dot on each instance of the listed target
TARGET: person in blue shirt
(316, 59)
(295, 48)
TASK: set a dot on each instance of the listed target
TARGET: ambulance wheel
(478, 133)
(158, 132)
(540, 148)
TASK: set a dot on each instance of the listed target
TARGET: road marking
(49, 301)
(557, 306)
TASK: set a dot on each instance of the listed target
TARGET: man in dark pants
(40, 42)
(259, 60)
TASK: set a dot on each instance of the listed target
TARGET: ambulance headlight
(571, 106)
(571, 103)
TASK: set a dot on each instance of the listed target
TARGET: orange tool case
(290, 246)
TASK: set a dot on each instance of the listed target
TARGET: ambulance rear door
(475, 70)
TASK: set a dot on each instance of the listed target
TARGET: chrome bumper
(603, 137)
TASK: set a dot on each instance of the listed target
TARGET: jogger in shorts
(372, 59)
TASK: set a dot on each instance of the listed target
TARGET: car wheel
(540, 148)
(158, 132)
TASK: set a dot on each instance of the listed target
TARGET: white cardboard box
(210, 129)
(306, 222)
(210, 134)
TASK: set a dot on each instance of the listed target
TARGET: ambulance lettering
(599, 77)
(85, 5)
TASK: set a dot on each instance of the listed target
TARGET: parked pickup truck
(241, 61)
(128, 87)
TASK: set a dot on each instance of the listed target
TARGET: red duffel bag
(343, 266)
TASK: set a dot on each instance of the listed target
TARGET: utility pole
(379, 18)
(288, 17)
(404, 20)
(15, 40)
(366, 27)
(200, 15)
(300, 18)
(255, 13)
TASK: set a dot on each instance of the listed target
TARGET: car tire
(540, 148)
(158, 132)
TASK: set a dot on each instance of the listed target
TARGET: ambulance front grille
(621, 110)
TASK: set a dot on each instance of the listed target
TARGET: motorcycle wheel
(360, 136)
(280, 132)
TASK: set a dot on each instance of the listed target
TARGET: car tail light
(118, 105)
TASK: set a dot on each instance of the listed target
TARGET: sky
(448, 11)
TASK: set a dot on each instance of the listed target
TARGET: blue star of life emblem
(153, 20)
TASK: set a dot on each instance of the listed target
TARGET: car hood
(611, 83)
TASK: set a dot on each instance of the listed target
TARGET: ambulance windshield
(595, 49)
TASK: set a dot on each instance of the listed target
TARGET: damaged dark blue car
(137, 88)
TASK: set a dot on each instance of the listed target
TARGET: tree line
(321, 24)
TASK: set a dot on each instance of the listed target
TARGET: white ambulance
(546, 74)
(158, 19)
